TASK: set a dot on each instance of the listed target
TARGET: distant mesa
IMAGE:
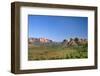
(72, 42)
(41, 40)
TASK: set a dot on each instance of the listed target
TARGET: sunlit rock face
(44, 40)
(41, 40)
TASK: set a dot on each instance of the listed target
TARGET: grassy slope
(56, 52)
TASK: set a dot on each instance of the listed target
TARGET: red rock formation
(41, 40)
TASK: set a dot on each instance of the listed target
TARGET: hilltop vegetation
(49, 50)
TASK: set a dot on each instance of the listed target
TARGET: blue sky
(57, 28)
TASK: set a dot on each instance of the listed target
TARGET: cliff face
(41, 40)
(44, 40)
